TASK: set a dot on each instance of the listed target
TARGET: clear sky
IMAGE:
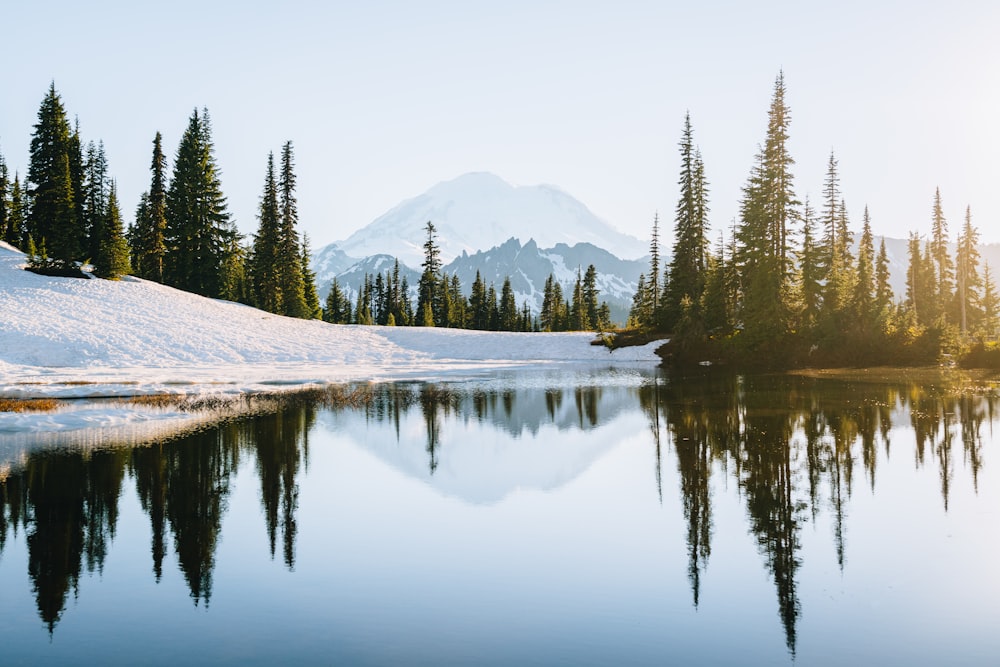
(384, 99)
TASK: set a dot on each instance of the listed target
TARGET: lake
(592, 517)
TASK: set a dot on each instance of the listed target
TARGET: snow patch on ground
(72, 338)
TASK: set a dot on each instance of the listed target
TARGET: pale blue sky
(384, 99)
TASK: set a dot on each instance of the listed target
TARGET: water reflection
(795, 447)
(784, 438)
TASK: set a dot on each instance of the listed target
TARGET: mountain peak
(481, 210)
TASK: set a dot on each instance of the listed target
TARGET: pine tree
(810, 270)
(991, 305)
(96, 187)
(311, 296)
(289, 255)
(507, 307)
(4, 202)
(492, 309)
(883, 290)
(687, 266)
(479, 316)
(944, 269)
(654, 286)
(578, 308)
(264, 262)
(591, 306)
(199, 234)
(52, 218)
(429, 278)
(17, 232)
(863, 300)
(111, 260)
(459, 315)
(831, 200)
(967, 273)
(338, 306)
(148, 245)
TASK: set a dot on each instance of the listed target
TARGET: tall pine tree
(289, 257)
(199, 235)
(52, 218)
(689, 261)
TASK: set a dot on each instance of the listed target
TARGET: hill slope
(74, 337)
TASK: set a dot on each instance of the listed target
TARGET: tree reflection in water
(793, 445)
(784, 438)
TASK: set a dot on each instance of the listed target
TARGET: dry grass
(28, 405)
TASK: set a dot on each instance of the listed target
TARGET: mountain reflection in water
(795, 447)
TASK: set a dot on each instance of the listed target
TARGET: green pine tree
(967, 275)
(264, 255)
(52, 218)
(311, 296)
(689, 261)
(991, 306)
(289, 258)
(508, 307)
(112, 258)
(147, 238)
(17, 231)
(428, 287)
(943, 266)
(200, 236)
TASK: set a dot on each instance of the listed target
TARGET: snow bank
(73, 338)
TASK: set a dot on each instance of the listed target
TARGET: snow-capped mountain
(480, 210)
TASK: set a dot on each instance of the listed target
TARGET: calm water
(608, 518)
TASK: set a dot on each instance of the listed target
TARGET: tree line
(67, 215)
(384, 299)
(786, 287)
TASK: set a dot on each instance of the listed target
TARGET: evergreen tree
(52, 218)
(264, 262)
(148, 245)
(427, 288)
(577, 308)
(492, 309)
(714, 305)
(479, 314)
(111, 260)
(831, 200)
(921, 283)
(810, 270)
(507, 308)
(639, 314)
(653, 285)
(591, 307)
(289, 256)
(944, 269)
(967, 273)
(991, 305)
(313, 310)
(459, 315)
(4, 201)
(96, 188)
(863, 300)
(687, 266)
(883, 290)
(338, 306)
(17, 232)
(199, 234)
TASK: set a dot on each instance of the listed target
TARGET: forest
(788, 286)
